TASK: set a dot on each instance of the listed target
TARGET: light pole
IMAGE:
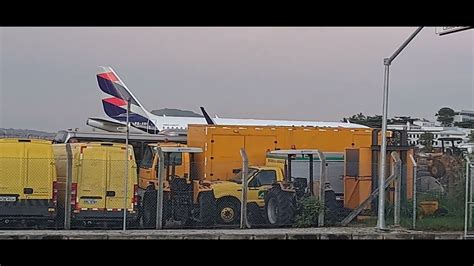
(383, 149)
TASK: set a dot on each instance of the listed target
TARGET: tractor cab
(186, 197)
(449, 147)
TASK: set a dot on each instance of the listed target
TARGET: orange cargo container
(358, 176)
(221, 144)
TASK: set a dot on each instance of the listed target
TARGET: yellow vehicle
(186, 196)
(274, 188)
(28, 187)
(221, 144)
(98, 182)
(229, 194)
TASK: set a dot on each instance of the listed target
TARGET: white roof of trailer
(296, 152)
(181, 149)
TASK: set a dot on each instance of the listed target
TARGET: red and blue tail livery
(115, 101)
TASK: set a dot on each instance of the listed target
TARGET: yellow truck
(229, 194)
(273, 188)
(98, 183)
(28, 185)
(221, 144)
(187, 197)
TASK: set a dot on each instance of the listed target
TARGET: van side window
(264, 177)
(147, 161)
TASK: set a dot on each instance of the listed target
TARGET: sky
(47, 75)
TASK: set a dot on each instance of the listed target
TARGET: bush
(308, 209)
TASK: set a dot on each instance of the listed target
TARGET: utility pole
(383, 149)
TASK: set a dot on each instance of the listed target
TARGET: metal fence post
(322, 186)
(397, 194)
(159, 198)
(67, 197)
(413, 197)
(243, 206)
(126, 168)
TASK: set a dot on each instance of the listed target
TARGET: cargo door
(257, 147)
(115, 179)
(12, 171)
(39, 171)
(225, 156)
(92, 177)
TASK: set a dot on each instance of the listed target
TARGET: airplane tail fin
(115, 101)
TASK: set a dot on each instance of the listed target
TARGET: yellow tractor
(186, 197)
(448, 160)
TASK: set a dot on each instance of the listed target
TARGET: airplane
(116, 96)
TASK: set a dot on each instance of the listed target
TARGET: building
(463, 116)
(420, 127)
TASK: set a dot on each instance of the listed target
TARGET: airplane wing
(109, 125)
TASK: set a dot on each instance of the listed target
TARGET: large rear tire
(280, 206)
(437, 169)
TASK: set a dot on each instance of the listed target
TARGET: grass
(443, 223)
(431, 223)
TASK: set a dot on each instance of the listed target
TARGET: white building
(463, 116)
(418, 128)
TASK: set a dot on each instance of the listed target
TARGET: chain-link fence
(93, 186)
(436, 199)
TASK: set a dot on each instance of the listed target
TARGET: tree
(370, 121)
(401, 120)
(445, 116)
(426, 139)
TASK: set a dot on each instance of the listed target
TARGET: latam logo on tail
(115, 106)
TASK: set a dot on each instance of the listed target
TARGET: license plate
(90, 201)
(7, 198)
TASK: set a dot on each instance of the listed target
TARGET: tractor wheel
(149, 209)
(228, 211)
(280, 206)
(207, 208)
(437, 169)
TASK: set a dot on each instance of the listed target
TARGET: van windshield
(60, 137)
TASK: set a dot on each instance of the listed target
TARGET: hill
(175, 112)
(25, 133)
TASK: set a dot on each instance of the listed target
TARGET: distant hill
(25, 133)
(175, 112)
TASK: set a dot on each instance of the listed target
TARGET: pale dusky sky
(312, 73)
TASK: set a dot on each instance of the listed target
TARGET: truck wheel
(149, 209)
(228, 211)
(166, 207)
(207, 208)
(280, 206)
(437, 169)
